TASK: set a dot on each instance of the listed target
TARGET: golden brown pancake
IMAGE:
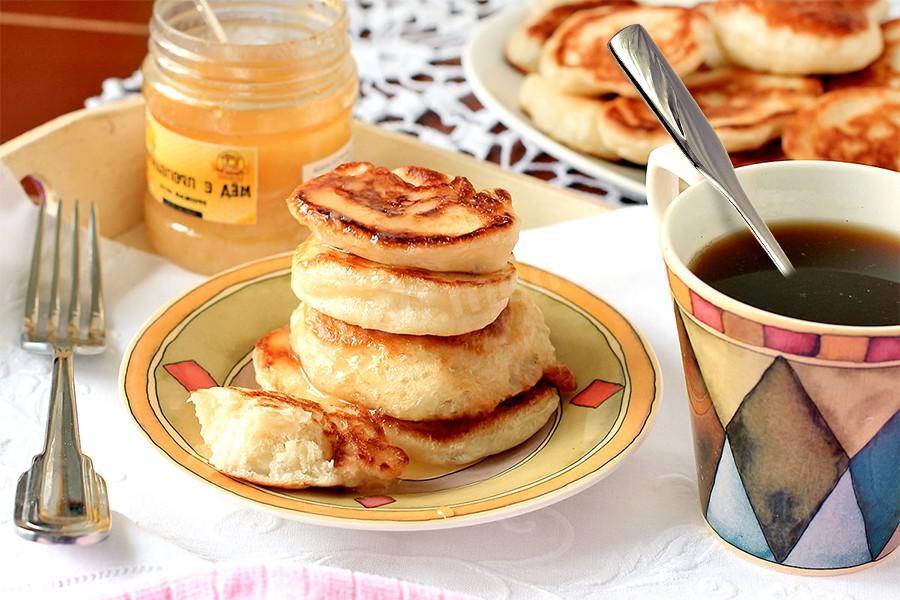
(713, 53)
(747, 110)
(885, 71)
(419, 378)
(567, 118)
(278, 440)
(576, 59)
(524, 44)
(798, 37)
(411, 217)
(398, 299)
(443, 442)
(859, 125)
(463, 441)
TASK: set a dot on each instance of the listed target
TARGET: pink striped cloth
(297, 582)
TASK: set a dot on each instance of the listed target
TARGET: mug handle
(666, 167)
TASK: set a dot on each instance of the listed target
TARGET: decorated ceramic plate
(205, 338)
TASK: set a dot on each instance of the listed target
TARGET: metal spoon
(672, 103)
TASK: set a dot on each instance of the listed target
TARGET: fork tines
(33, 335)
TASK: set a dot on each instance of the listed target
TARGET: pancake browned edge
(463, 441)
(746, 109)
(575, 58)
(799, 37)
(859, 125)
(524, 44)
(884, 72)
(411, 217)
(447, 441)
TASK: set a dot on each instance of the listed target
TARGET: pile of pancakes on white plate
(801, 79)
(411, 339)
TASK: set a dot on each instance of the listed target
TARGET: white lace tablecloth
(636, 534)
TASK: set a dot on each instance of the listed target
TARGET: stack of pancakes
(758, 69)
(409, 310)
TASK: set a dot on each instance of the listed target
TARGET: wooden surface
(98, 155)
(56, 53)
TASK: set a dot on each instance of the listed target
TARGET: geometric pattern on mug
(856, 403)
(730, 513)
(776, 434)
(784, 447)
(716, 358)
(891, 545)
(876, 476)
(836, 535)
(709, 434)
(855, 349)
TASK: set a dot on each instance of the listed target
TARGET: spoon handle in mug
(677, 111)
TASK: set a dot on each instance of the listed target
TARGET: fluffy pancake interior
(255, 435)
(394, 299)
(275, 439)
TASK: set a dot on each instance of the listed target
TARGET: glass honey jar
(233, 127)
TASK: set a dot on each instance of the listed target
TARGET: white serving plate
(496, 85)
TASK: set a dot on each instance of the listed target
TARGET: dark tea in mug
(846, 275)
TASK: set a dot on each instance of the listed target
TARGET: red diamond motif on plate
(190, 375)
(596, 394)
(375, 501)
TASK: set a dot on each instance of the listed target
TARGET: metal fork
(61, 499)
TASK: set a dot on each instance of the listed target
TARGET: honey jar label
(214, 182)
(327, 163)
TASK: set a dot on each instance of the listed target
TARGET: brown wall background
(56, 53)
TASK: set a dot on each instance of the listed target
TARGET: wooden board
(98, 155)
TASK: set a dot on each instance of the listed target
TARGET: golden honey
(234, 127)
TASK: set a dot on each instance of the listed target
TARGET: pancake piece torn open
(283, 441)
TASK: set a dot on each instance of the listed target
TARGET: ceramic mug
(796, 424)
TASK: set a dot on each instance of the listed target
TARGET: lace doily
(408, 57)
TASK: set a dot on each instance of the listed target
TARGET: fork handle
(63, 481)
